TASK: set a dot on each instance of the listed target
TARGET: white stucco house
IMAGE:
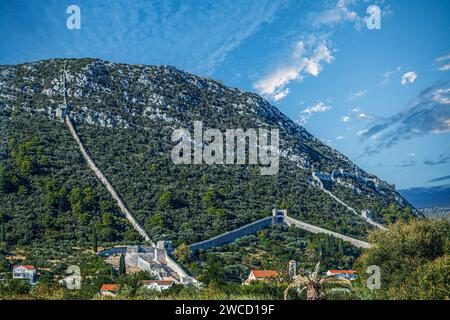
(25, 272)
(157, 285)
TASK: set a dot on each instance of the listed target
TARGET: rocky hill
(125, 115)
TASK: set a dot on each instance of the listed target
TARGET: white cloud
(357, 115)
(312, 51)
(319, 107)
(444, 61)
(364, 116)
(339, 137)
(345, 119)
(308, 112)
(443, 58)
(428, 113)
(387, 75)
(445, 67)
(306, 59)
(191, 35)
(357, 94)
(281, 95)
(441, 96)
(336, 15)
(411, 154)
(409, 77)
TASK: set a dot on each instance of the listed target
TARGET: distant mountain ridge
(423, 197)
(436, 212)
(125, 114)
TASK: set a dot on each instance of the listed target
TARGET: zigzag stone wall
(316, 178)
(253, 227)
(231, 236)
(309, 227)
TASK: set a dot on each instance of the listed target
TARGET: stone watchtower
(278, 216)
(160, 252)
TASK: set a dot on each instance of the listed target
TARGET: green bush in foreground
(413, 259)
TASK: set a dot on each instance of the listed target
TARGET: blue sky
(382, 97)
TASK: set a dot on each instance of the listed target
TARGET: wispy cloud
(311, 52)
(428, 113)
(307, 59)
(445, 67)
(409, 77)
(336, 15)
(345, 119)
(357, 94)
(356, 114)
(442, 159)
(407, 163)
(194, 35)
(440, 179)
(443, 63)
(280, 95)
(308, 112)
(249, 23)
(387, 75)
(364, 116)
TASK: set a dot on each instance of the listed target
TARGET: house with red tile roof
(347, 274)
(24, 272)
(262, 275)
(109, 290)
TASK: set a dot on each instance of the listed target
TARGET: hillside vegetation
(125, 115)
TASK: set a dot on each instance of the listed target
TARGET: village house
(71, 282)
(109, 290)
(157, 285)
(347, 274)
(261, 275)
(25, 272)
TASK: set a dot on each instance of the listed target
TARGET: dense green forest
(48, 192)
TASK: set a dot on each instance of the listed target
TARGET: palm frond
(332, 281)
(316, 271)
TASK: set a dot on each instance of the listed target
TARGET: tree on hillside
(209, 198)
(94, 239)
(2, 232)
(122, 266)
(165, 200)
(314, 285)
(183, 253)
(413, 260)
(213, 272)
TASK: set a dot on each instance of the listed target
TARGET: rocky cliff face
(126, 114)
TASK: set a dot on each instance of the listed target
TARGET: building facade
(25, 272)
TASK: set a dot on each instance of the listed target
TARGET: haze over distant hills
(422, 197)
